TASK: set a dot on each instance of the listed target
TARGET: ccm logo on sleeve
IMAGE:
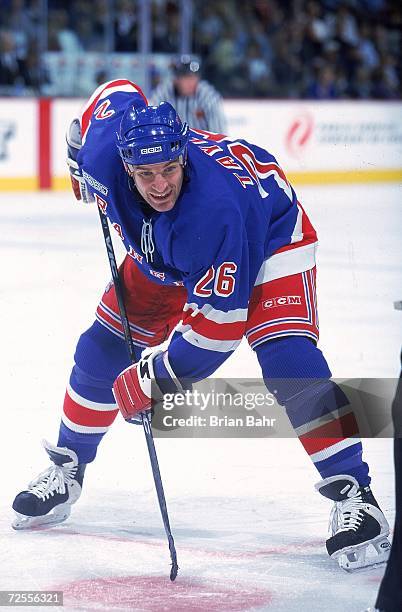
(285, 300)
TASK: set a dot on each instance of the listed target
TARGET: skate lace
(52, 480)
(347, 515)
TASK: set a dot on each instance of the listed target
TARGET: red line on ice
(156, 593)
(283, 549)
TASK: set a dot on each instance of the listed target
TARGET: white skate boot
(358, 528)
(48, 498)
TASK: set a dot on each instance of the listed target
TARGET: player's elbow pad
(74, 144)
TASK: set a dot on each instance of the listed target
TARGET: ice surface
(248, 525)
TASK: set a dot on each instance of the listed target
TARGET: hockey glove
(132, 388)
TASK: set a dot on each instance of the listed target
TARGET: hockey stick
(145, 423)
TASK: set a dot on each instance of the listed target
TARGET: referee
(196, 101)
(389, 597)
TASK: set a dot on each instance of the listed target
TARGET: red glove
(132, 387)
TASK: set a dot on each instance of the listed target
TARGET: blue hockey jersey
(235, 214)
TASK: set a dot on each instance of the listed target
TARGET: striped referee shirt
(203, 111)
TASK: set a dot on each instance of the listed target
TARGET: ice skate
(48, 498)
(358, 528)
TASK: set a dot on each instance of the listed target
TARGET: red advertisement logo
(299, 133)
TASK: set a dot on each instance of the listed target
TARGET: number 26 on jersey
(222, 282)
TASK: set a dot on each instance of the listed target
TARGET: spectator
(324, 86)
(90, 39)
(34, 73)
(384, 87)
(11, 66)
(346, 27)
(256, 72)
(61, 36)
(367, 51)
(361, 87)
(389, 68)
(287, 71)
(209, 29)
(317, 31)
(165, 26)
(222, 64)
(126, 26)
(20, 26)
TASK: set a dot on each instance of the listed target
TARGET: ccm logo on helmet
(151, 150)
(285, 300)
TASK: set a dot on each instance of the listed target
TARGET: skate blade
(22, 522)
(357, 560)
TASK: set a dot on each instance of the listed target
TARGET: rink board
(315, 142)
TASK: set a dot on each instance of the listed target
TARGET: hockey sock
(89, 405)
(319, 411)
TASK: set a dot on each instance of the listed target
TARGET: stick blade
(173, 571)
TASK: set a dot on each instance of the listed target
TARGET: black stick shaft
(145, 423)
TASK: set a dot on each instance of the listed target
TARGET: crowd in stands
(292, 49)
(327, 49)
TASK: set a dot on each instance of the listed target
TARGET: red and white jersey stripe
(287, 262)
(213, 329)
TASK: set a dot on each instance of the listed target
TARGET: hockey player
(214, 234)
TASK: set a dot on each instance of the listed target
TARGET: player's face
(159, 184)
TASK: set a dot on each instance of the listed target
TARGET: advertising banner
(18, 144)
(316, 142)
